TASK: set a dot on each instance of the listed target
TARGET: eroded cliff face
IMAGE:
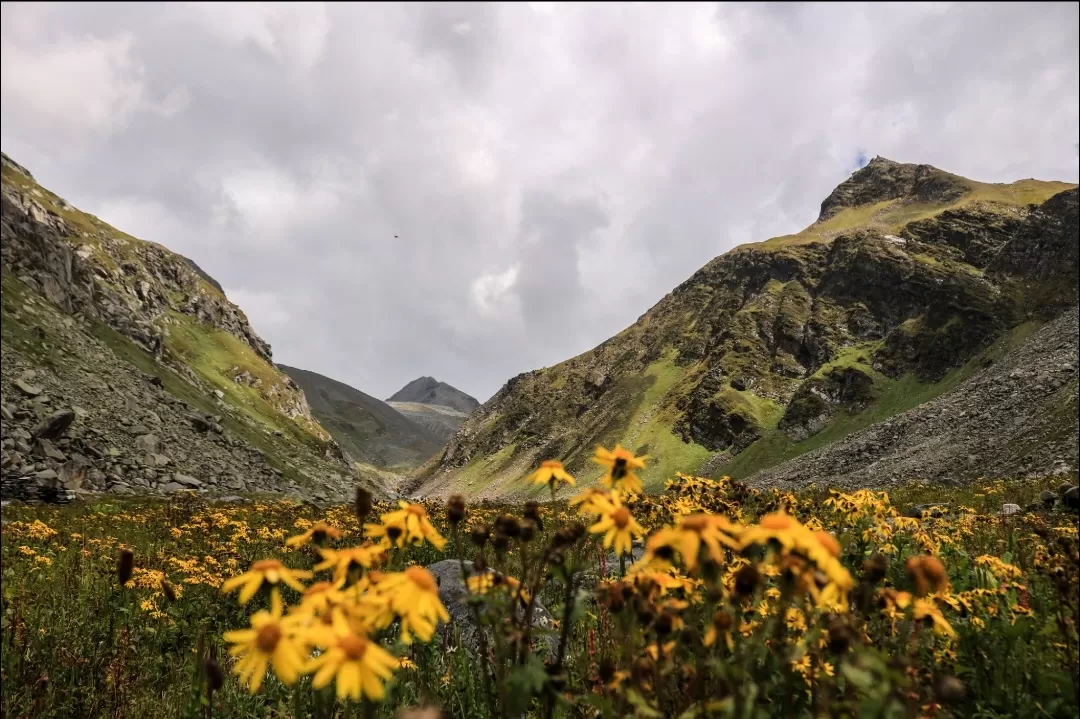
(909, 273)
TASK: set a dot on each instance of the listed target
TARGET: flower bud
(455, 509)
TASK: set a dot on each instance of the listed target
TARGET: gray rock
(452, 593)
(6, 412)
(157, 460)
(186, 481)
(26, 388)
(46, 475)
(1008, 509)
(148, 443)
(1048, 497)
(172, 487)
(55, 425)
(46, 449)
(1071, 498)
(138, 429)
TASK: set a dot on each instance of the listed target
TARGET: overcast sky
(473, 191)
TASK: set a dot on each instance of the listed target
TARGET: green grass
(891, 215)
(893, 397)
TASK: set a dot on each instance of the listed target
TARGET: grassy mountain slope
(158, 312)
(368, 429)
(908, 275)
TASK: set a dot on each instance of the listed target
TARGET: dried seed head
(528, 530)
(532, 510)
(664, 624)
(125, 565)
(840, 635)
(690, 636)
(480, 535)
(392, 533)
(500, 542)
(875, 567)
(722, 621)
(508, 525)
(455, 509)
(747, 580)
(167, 588)
(362, 505)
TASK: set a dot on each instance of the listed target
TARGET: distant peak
(428, 390)
(884, 179)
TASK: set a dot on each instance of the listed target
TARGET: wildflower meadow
(709, 599)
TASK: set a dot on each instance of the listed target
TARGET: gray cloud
(549, 172)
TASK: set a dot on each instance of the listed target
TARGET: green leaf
(524, 683)
(641, 705)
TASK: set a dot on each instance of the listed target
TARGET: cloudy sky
(472, 191)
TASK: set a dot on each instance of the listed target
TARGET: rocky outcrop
(883, 179)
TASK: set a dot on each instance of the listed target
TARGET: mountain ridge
(907, 274)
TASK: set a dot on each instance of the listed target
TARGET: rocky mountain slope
(908, 278)
(1016, 417)
(156, 375)
(435, 405)
(368, 430)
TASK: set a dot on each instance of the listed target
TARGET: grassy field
(777, 620)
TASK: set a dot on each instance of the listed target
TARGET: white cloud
(73, 86)
(490, 292)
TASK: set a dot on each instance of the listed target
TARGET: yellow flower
(618, 526)
(319, 533)
(798, 543)
(359, 665)
(705, 530)
(264, 572)
(345, 561)
(270, 640)
(414, 596)
(408, 524)
(320, 598)
(406, 663)
(621, 464)
(551, 472)
(592, 501)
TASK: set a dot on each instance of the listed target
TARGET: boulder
(1008, 509)
(148, 443)
(1071, 498)
(26, 388)
(55, 425)
(452, 594)
(187, 481)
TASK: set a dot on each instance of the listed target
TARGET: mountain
(911, 281)
(428, 390)
(435, 405)
(126, 369)
(439, 420)
(368, 430)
